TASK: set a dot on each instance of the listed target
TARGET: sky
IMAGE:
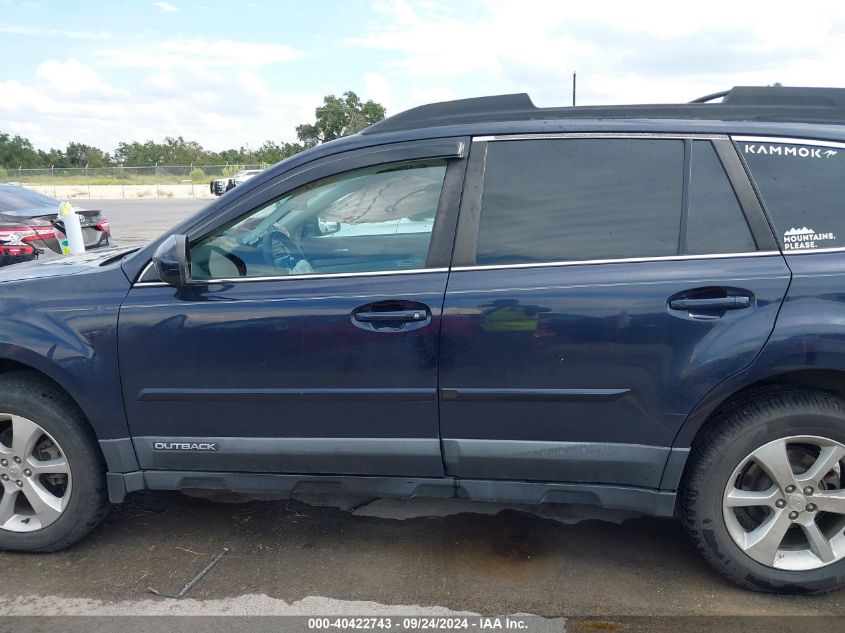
(231, 74)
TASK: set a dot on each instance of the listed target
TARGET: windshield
(18, 198)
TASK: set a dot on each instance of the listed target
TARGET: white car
(219, 186)
(241, 177)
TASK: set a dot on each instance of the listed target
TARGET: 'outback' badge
(185, 446)
(804, 239)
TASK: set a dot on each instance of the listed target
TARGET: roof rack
(767, 103)
(711, 97)
(780, 96)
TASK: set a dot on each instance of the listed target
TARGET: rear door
(301, 345)
(601, 285)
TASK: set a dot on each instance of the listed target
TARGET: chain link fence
(157, 181)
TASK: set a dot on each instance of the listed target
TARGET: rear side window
(580, 199)
(803, 189)
(715, 221)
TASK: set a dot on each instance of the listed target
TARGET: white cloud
(377, 87)
(165, 7)
(69, 77)
(623, 51)
(70, 101)
(31, 31)
(200, 53)
(401, 53)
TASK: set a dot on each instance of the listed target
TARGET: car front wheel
(52, 476)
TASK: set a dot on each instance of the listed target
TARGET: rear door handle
(734, 302)
(391, 316)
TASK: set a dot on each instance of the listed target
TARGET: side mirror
(171, 261)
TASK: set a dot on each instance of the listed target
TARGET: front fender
(66, 328)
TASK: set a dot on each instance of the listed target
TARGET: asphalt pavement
(334, 556)
(136, 222)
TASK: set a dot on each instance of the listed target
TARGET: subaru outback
(640, 307)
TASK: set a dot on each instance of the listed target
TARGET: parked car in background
(639, 307)
(219, 186)
(241, 177)
(30, 228)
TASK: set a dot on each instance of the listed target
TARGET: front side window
(803, 187)
(552, 200)
(369, 220)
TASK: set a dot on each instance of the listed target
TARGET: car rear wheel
(52, 476)
(764, 493)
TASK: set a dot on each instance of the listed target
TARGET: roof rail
(786, 96)
(711, 97)
(498, 107)
(767, 103)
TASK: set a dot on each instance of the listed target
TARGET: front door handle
(391, 316)
(732, 302)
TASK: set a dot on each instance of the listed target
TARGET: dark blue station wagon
(641, 307)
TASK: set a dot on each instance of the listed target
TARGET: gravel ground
(386, 557)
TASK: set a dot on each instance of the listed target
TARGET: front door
(307, 339)
(609, 284)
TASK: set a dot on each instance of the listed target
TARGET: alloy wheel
(784, 504)
(34, 473)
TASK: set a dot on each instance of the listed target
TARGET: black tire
(29, 395)
(720, 447)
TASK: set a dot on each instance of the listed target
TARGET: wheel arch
(732, 392)
(118, 454)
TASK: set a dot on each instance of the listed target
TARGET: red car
(30, 228)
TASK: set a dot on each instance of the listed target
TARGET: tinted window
(580, 199)
(715, 221)
(377, 219)
(804, 191)
(19, 199)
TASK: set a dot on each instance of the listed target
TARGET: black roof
(744, 103)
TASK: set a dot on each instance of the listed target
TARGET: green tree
(336, 117)
(137, 154)
(16, 151)
(82, 155)
(52, 158)
(271, 152)
(173, 151)
(339, 117)
(231, 156)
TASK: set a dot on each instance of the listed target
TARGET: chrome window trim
(601, 135)
(788, 141)
(417, 271)
(626, 260)
(229, 280)
(811, 251)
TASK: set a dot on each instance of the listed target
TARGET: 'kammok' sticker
(789, 150)
(803, 239)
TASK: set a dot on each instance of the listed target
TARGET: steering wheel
(280, 251)
(239, 264)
